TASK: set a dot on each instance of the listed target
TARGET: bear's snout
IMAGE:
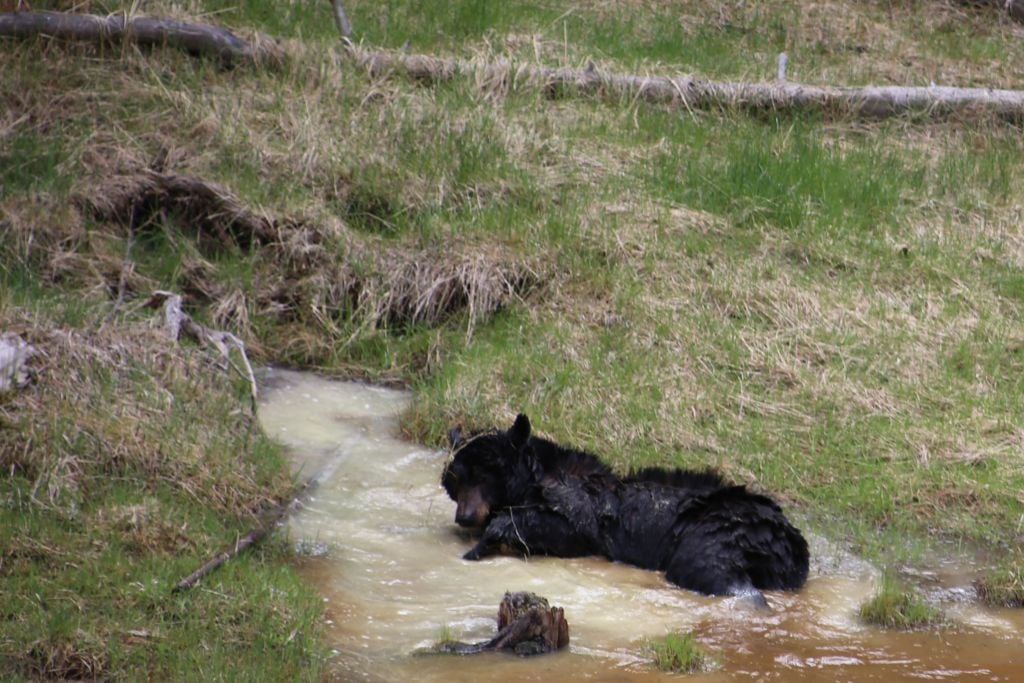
(472, 510)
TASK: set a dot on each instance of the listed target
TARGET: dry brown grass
(127, 402)
(322, 274)
(146, 529)
(81, 660)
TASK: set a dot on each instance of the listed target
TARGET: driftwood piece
(196, 39)
(870, 102)
(15, 353)
(527, 625)
(177, 322)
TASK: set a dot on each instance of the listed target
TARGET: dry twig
(247, 541)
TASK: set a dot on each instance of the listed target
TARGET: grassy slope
(126, 466)
(827, 309)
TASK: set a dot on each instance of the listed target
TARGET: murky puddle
(391, 571)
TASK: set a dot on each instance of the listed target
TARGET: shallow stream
(382, 547)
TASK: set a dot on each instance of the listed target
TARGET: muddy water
(385, 553)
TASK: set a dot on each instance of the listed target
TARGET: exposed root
(1013, 8)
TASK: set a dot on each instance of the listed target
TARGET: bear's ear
(520, 431)
(455, 437)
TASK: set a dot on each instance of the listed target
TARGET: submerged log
(527, 625)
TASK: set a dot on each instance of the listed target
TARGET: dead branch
(176, 322)
(196, 39)
(872, 102)
(341, 19)
(250, 539)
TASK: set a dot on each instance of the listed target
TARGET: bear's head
(489, 471)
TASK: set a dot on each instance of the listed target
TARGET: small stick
(250, 539)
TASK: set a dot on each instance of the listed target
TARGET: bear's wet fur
(528, 495)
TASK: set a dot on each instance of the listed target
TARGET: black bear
(526, 494)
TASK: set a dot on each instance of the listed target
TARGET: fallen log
(869, 102)
(196, 39)
(1013, 8)
(527, 625)
(341, 20)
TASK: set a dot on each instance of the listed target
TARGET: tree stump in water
(527, 625)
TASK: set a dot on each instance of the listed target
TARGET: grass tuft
(444, 637)
(1003, 587)
(895, 608)
(679, 653)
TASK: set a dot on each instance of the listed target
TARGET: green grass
(86, 602)
(895, 608)
(123, 474)
(30, 162)
(1004, 585)
(444, 637)
(679, 653)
